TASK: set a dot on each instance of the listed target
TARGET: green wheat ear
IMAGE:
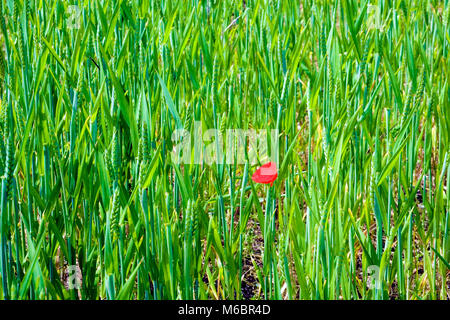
(28, 8)
(142, 168)
(214, 79)
(114, 215)
(2, 69)
(330, 77)
(116, 155)
(20, 117)
(140, 155)
(80, 85)
(4, 114)
(141, 55)
(9, 166)
(407, 107)
(223, 123)
(145, 143)
(420, 91)
(187, 122)
(160, 41)
(365, 56)
(322, 40)
(15, 12)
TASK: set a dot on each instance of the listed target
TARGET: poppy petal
(266, 174)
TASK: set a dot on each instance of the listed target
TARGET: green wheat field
(94, 204)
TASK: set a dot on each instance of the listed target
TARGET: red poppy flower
(265, 174)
